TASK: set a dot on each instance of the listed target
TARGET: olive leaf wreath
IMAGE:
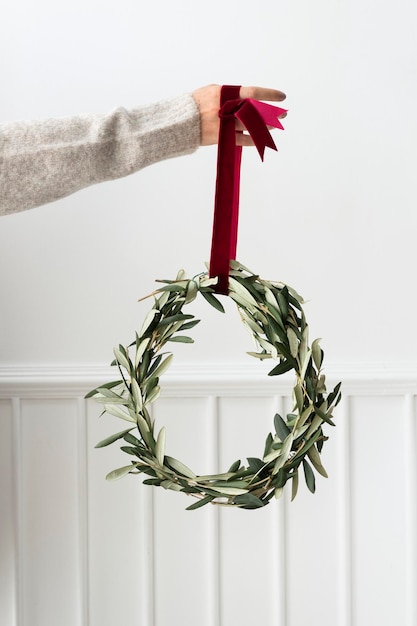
(273, 314)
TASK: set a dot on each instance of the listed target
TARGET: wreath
(273, 314)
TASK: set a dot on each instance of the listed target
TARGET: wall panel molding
(207, 378)
(133, 551)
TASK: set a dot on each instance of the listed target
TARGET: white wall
(333, 214)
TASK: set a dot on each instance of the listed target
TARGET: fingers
(239, 126)
(243, 140)
(262, 93)
(208, 102)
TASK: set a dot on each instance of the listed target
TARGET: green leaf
(129, 438)
(271, 300)
(280, 478)
(293, 342)
(123, 359)
(299, 432)
(170, 330)
(323, 416)
(142, 425)
(334, 395)
(136, 394)
(201, 502)
(181, 339)
(205, 281)
(236, 288)
(229, 491)
(305, 364)
(315, 424)
(140, 350)
(281, 368)
(174, 287)
(179, 317)
(276, 320)
(235, 466)
(315, 459)
(308, 443)
(255, 465)
(112, 438)
(294, 488)
(207, 295)
(160, 446)
(317, 353)
(239, 484)
(267, 346)
(309, 476)
(112, 400)
(189, 325)
(120, 472)
(282, 299)
(260, 355)
(170, 484)
(284, 454)
(278, 492)
(299, 397)
(268, 445)
(273, 454)
(254, 326)
(163, 366)
(130, 450)
(249, 501)
(305, 415)
(212, 477)
(192, 290)
(179, 467)
(148, 321)
(236, 265)
(161, 300)
(153, 394)
(281, 427)
(108, 393)
(93, 392)
(118, 411)
(155, 482)
(149, 385)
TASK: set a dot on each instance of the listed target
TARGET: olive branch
(273, 314)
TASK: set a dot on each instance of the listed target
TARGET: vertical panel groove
(17, 507)
(280, 551)
(148, 555)
(147, 507)
(83, 513)
(345, 524)
(411, 511)
(214, 564)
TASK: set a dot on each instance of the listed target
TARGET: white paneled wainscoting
(76, 550)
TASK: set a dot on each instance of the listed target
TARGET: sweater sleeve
(43, 161)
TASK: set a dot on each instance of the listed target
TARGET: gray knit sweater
(43, 161)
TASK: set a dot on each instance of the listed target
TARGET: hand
(208, 102)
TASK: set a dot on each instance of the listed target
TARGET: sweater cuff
(172, 128)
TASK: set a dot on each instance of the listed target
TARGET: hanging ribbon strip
(256, 117)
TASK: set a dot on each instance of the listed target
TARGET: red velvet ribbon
(256, 117)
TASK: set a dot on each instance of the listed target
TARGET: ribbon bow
(256, 117)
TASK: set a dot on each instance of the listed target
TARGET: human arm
(43, 161)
